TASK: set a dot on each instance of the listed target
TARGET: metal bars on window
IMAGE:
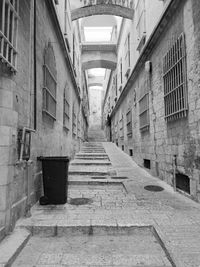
(175, 83)
(141, 23)
(121, 128)
(8, 32)
(74, 121)
(66, 109)
(50, 83)
(144, 112)
(129, 122)
(127, 53)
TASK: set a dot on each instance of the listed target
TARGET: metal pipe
(174, 171)
(35, 64)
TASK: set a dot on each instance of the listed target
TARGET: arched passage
(99, 63)
(103, 9)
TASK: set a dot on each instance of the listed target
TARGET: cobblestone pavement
(174, 220)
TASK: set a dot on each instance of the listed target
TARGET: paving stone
(175, 218)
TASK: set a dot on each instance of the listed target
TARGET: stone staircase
(91, 161)
(95, 133)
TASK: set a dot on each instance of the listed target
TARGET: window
(121, 127)
(116, 130)
(66, 109)
(67, 25)
(175, 85)
(75, 55)
(50, 82)
(121, 72)
(74, 121)
(78, 125)
(141, 22)
(120, 75)
(127, 56)
(144, 107)
(129, 122)
(8, 32)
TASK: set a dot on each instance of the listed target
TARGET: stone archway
(105, 8)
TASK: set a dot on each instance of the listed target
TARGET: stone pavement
(146, 228)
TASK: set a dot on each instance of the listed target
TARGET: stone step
(12, 245)
(92, 154)
(91, 158)
(90, 162)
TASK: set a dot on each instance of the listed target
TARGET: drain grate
(80, 201)
(98, 177)
(119, 177)
(153, 188)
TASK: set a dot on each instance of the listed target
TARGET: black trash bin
(55, 180)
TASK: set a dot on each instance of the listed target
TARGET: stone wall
(165, 139)
(21, 182)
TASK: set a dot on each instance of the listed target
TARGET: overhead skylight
(98, 72)
(97, 34)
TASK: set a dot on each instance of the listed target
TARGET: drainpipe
(35, 65)
(174, 163)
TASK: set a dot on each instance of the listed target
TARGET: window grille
(121, 127)
(50, 82)
(121, 72)
(141, 23)
(175, 85)
(129, 122)
(66, 109)
(8, 32)
(144, 112)
(116, 130)
(127, 55)
(74, 121)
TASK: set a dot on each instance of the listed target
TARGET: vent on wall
(183, 182)
(147, 163)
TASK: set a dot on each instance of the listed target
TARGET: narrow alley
(99, 133)
(112, 218)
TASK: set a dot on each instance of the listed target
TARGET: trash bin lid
(58, 158)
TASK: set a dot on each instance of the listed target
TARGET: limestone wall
(21, 179)
(165, 139)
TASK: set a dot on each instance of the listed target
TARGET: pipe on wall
(35, 63)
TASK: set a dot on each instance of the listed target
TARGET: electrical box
(24, 144)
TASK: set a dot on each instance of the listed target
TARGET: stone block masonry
(21, 182)
(164, 139)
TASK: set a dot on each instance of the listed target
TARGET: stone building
(153, 97)
(43, 98)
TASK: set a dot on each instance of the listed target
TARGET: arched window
(50, 82)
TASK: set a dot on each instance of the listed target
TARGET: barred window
(144, 104)
(140, 17)
(50, 82)
(127, 55)
(129, 122)
(66, 109)
(121, 72)
(74, 121)
(175, 85)
(144, 112)
(121, 127)
(78, 125)
(8, 32)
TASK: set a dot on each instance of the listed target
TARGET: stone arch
(103, 9)
(99, 63)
